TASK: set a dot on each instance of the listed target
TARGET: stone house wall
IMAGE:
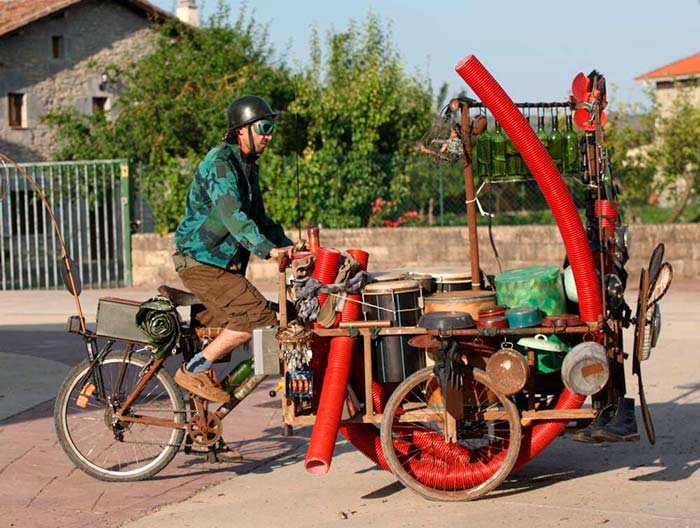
(95, 33)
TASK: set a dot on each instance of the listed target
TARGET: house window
(99, 105)
(57, 47)
(15, 109)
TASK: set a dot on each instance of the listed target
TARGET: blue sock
(198, 363)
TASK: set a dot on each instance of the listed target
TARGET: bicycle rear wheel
(104, 447)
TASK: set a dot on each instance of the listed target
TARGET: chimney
(187, 12)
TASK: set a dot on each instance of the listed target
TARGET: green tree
(658, 147)
(171, 109)
(629, 135)
(678, 151)
(357, 116)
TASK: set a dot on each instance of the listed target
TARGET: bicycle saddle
(185, 298)
(178, 297)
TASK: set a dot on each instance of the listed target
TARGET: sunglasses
(264, 126)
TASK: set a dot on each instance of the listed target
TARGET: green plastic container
(539, 286)
(550, 351)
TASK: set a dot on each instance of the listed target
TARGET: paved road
(569, 484)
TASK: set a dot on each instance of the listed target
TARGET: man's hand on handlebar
(279, 252)
(283, 256)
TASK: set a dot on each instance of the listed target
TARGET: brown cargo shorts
(231, 301)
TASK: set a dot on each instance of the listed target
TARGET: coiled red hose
(548, 178)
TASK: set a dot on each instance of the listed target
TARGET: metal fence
(433, 195)
(90, 200)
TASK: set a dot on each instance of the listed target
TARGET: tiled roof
(686, 67)
(15, 14)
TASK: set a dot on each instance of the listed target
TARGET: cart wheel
(413, 439)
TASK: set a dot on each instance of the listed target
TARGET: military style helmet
(247, 109)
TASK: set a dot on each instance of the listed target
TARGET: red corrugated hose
(330, 406)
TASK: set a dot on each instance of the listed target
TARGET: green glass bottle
(571, 148)
(555, 143)
(483, 154)
(541, 132)
(525, 168)
(512, 158)
(238, 375)
(498, 152)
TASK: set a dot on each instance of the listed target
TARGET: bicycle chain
(145, 442)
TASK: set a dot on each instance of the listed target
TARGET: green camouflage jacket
(225, 217)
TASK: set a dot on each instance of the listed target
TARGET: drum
(470, 301)
(448, 280)
(386, 276)
(397, 301)
(426, 281)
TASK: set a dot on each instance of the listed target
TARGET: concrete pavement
(568, 484)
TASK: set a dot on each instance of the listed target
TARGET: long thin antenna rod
(67, 264)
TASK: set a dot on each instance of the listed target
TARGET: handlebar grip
(284, 262)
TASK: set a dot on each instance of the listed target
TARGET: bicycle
(119, 415)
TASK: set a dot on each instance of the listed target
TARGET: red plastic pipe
(326, 268)
(330, 406)
(548, 178)
(361, 256)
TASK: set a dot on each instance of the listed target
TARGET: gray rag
(307, 289)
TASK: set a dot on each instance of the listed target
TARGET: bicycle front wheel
(105, 447)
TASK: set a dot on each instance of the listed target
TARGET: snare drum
(448, 280)
(470, 301)
(396, 301)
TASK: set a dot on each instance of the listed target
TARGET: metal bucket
(585, 368)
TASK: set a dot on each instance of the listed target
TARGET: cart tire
(416, 452)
